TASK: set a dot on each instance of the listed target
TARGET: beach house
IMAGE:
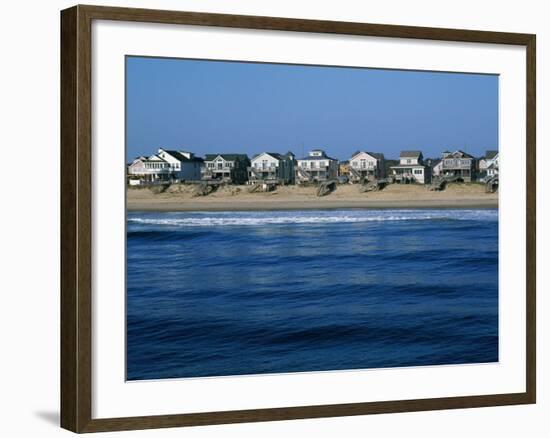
(343, 168)
(411, 168)
(316, 166)
(232, 168)
(165, 165)
(272, 167)
(366, 166)
(185, 166)
(148, 170)
(458, 164)
(492, 164)
(436, 166)
(488, 165)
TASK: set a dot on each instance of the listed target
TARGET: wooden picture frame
(76, 218)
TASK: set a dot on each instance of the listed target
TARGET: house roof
(489, 155)
(273, 154)
(310, 158)
(226, 157)
(461, 154)
(377, 155)
(435, 163)
(179, 156)
(410, 154)
(151, 159)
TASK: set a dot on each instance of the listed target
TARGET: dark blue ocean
(230, 293)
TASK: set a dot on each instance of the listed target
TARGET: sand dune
(179, 197)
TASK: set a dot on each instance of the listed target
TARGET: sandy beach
(234, 198)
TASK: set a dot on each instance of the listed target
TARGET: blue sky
(215, 107)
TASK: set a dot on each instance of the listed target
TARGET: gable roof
(177, 155)
(275, 155)
(461, 154)
(155, 158)
(226, 157)
(180, 157)
(489, 155)
(410, 154)
(151, 159)
(377, 155)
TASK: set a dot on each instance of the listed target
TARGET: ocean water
(233, 293)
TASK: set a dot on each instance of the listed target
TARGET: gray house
(458, 164)
(230, 168)
(317, 166)
(272, 167)
(366, 166)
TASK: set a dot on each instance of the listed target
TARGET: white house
(488, 165)
(166, 165)
(492, 167)
(366, 165)
(317, 166)
(437, 168)
(271, 166)
(148, 169)
(411, 168)
(184, 165)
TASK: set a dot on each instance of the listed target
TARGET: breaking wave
(217, 219)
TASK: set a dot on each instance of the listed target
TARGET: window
(322, 164)
(409, 161)
(417, 171)
(354, 163)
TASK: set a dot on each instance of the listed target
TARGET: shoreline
(165, 205)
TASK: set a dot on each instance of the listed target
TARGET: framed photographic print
(270, 218)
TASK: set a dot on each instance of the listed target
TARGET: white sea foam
(209, 219)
